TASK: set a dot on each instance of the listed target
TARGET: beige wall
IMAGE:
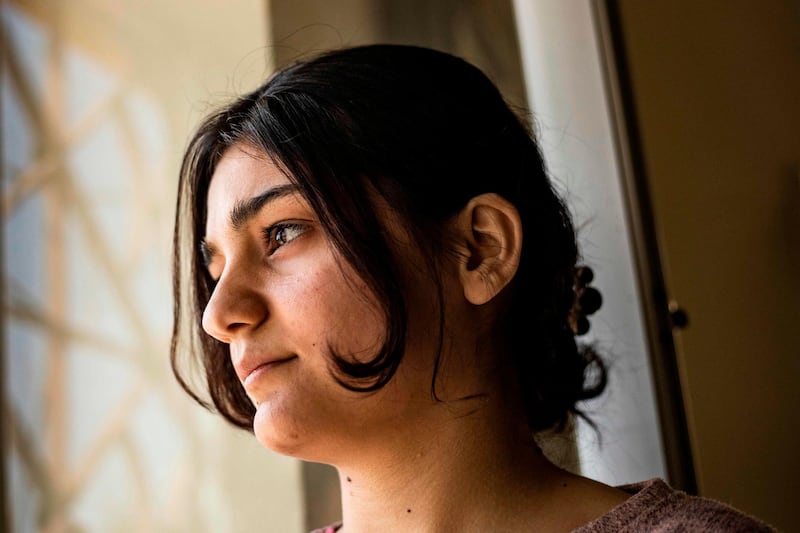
(483, 32)
(716, 88)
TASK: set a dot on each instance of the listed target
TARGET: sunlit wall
(98, 99)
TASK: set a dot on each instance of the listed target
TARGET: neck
(445, 473)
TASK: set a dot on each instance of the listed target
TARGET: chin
(276, 430)
(283, 431)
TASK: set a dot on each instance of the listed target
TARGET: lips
(250, 367)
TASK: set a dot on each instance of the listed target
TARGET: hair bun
(587, 301)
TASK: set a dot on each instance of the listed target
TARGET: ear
(489, 241)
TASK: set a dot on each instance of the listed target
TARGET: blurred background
(670, 126)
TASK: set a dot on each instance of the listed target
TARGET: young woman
(375, 272)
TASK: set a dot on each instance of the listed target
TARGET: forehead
(240, 174)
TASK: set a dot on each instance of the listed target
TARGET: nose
(235, 307)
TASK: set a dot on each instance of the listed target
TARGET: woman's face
(283, 300)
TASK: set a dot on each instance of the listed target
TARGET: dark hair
(428, 132)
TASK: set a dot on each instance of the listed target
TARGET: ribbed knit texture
(655, 507)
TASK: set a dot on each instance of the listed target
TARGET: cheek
(323, 309)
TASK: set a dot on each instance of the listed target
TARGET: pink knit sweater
(655, 507)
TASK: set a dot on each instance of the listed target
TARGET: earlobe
(490, 233)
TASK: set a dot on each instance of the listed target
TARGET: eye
(206, 253)
(282, 234)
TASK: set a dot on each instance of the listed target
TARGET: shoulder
(654, 506)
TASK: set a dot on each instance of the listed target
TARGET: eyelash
(272, 232)
(270, 235)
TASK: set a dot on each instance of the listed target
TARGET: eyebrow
(244, 210)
